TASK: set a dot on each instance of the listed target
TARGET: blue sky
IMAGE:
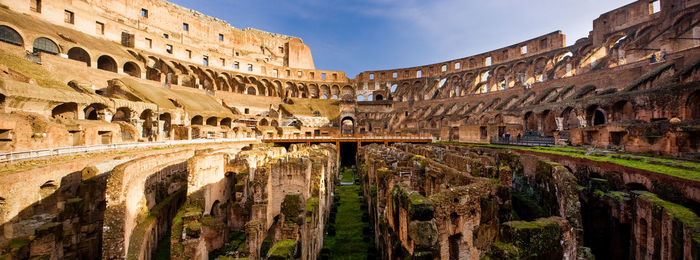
(359, 35)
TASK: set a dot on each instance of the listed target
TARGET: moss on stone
(532, 237)
(292, 206)
(19, 242)
(505, 251)
(420, 160)
(599, 193)
(617, 195)
(417, 206)
(679, 213)
(282, 250)
(193, 229)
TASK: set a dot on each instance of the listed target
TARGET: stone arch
(692, 106)
(314, 91)
(263, 122)
(47, 189)
(212, 121)
(167, 123)
(549, 124)
(10, 35)
(95, 111)
(226, 122)
(347, 93)
(378, 97)
(291, 90)
(274, 123)
(570, 121)
(251, 91)
(325, 90)
(347, 125)
(147, 125)
(529, 120)
(303, 90)
(215, 209)
(197, 120)
(122, 114)
(105, 62)
(79, 54)
(45, 45)
(623, 110)
(132, 69)
(65, 111)
(595, 115)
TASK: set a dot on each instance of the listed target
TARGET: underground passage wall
(467, 202)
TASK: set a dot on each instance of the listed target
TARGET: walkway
(13, 156)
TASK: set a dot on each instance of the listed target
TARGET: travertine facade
(150, 130)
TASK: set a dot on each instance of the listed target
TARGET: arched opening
(123, 114)
(132, 69)
(693, 106)
(9, 35)
(274, 123)
(215, 209)
(264, 122)
(45, 45)
(549, 124)
(454, 133)
(324, 96)
(530, 123)
(570, 120)
(643, 234)
(95, 111)
(107, 63)
(347, 126)
(251, 91)
(197, 120)
(77, 53)
(212, 121)
(379, 97)
(147, 125)
(596, 115)
(65, 111)
(226, 122)
(360, 98)
(623, 111)
(166, 118)
(454, 242)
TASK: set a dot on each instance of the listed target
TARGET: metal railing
(524, 141)
(21, 155)
(350, 137)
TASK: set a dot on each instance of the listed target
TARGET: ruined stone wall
(470, 197)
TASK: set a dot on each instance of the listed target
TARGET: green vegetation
(677, 212)
(348, 242)
(348, 176)
(284, 249)
(672, 167)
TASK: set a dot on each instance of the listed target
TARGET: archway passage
(77, 53)
(347, 126)
(107, 63)
(132, 69)
(693, 106)
(45, 45)
(9, 35)
(348, 152)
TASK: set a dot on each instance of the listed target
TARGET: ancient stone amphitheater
(144, 130)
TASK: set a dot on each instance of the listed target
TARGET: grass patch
(348, 243)
(690, 170)
(348, 176)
